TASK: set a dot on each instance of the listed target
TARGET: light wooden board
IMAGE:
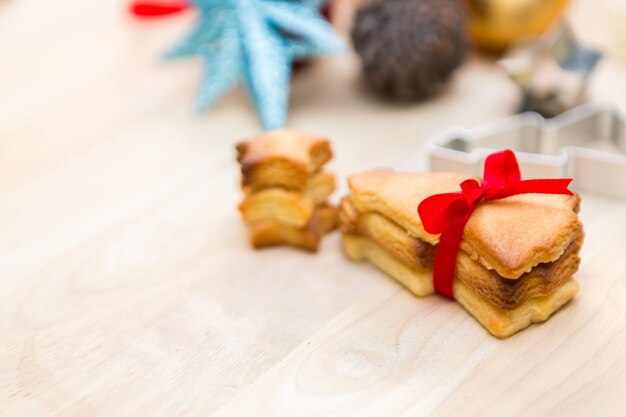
(127, 286)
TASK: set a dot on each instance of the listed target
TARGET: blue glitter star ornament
(255, 42)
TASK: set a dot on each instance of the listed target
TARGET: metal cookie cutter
(587, 143)
(552, 71)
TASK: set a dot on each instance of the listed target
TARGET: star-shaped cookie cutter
(552, 71)
(587, 143)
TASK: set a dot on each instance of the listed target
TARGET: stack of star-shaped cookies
(286, 189)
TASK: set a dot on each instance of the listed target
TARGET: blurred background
(89, 69)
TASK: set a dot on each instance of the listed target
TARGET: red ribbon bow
(448, 213)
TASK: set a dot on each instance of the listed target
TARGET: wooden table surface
(127, 286)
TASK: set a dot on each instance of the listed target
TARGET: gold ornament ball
(496, 24)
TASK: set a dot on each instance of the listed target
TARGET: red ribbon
(448, 213)
(149, 9)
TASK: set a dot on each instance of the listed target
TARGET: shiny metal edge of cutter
(546, 148)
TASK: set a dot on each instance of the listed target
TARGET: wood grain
(127, 286)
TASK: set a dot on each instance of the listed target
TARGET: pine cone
(409, 48)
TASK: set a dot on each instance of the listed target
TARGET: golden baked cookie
(282, 158)
(271, 232)
(515, 262)
(510, 235)
(320, 185)
(288, 207)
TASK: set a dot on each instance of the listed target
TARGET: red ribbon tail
(448, 248)
(146, 9)
(539, 186)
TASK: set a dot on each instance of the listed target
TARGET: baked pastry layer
(288, 207)
(270, 232)
(506, 294)
(319, 186)
(282, 158)
(499, 322)
(389, 235)
(510, 235)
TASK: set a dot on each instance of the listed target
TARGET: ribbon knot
(447, 213)
(472, 191)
